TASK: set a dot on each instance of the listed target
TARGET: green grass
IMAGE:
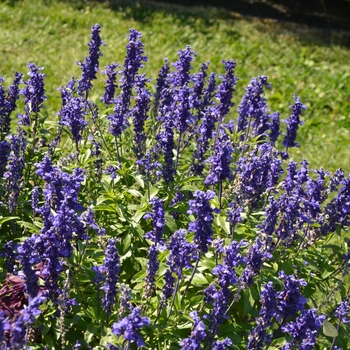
(297, 60)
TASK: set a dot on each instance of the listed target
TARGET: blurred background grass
(310, 62)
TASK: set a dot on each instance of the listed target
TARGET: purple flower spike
(26, 318)
(258, 335)
(181, 253)
(110, 84)
(158, 218)
(183, 66)
(220, 162)
(222, 344)
(253, 106)
(290, 300)
(152, 269)
(5, 149)
(110, 268)
(34, 93)
(304, 330)
(132, 63)
(293, 124)
(91, 64)
(129, 326)
(343, 311)
(197, 335)
(8, 103)
(15, 168)
(139, 112)
(202, 226)
(226, 89)
(73, 115)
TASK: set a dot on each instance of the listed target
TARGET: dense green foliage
(297, 59)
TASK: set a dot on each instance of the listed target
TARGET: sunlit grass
(54, 35)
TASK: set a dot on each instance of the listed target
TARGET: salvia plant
(157, 216)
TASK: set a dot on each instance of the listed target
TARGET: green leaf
(134, 192)
(199, 278)
(221, 221)
(7, 218)
(29, 225)
(329, 330)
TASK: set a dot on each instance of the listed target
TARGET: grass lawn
(297, 60)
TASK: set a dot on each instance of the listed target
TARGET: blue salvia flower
(315, 191)
(158, 219)
(181, 114)
(225, 90)
(290, 300)
(343, 311)
(3, 105)
(10, 256)
(258, 335)
(28, 257)
(274, 126)
(110, 84)
(162, 85)
(293, 124)
(139, 112)
(302, 174)
(252, 109)
(124, 299)
(267, 227)
(129, 327)
(152, 269)
(111, 271)
(205, 133)
(259, 172)
(60, 186)
(182, 76)
(209, 92)
(222, 344)
(198, 89)
(5, 149)
(335, 180)
(4, 326)
(25, 319)
(304, 330)
(220, 162)
(290, 180)
(88, 218)
(8, 103)
(168, 288)
(234, 215)
(289, 214)
(254, 262)
(197, 335)
(219, 298)
(337, 211)
(34, 94)
(202, 226)
(15, 168)
(181, 253)
(90, 65)
(150, 162)
(167, 145)
(67, 91)
(206, 112)
(232, 256)
(132, 64)
(72, 114)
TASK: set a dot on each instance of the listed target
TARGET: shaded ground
(331, 14)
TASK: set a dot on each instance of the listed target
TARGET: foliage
(112, 238)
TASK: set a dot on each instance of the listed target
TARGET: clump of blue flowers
(160, 217)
